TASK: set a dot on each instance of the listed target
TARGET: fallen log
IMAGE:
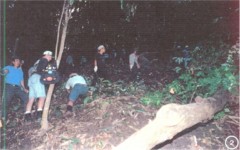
(171, 119)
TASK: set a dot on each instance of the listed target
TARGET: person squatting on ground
(100, 69)
(36, 88)
(14, 79)
(134, 64)
(78, 86)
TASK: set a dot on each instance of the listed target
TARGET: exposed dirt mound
(106, 122)
(100, 124)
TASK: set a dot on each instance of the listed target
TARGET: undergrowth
(209, 70)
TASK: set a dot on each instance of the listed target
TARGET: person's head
(135, 51)
(101, 49)
(16, 61)
(48, 55)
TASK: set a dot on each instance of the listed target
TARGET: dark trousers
(9, 93)
(134, 73)
(101, 73)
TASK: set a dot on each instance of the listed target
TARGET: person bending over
(76, 86)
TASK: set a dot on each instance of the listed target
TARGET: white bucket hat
(100, 47)
(47, 53)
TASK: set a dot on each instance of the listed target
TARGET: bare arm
(23, 86)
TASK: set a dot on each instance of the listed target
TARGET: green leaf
(200, 74)
(71, 2)
(177, 69)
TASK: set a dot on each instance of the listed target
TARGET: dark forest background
(31, 26)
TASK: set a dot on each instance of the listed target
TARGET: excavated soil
(106, 122)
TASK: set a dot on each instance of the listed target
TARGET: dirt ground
(106, 122)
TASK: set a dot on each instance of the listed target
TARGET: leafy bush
(209, 70)
(152, 98)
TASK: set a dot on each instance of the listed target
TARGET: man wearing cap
(14, 83)
(78, 87)
(100, 64)
(36, 88)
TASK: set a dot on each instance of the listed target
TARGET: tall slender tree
(66, 11)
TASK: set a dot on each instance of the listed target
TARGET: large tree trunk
(44, 123)
(171, 119)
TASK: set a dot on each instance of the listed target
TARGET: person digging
(76, 86)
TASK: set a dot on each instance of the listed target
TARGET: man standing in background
(100, 68)
(134, 65)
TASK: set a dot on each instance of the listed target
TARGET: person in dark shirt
(100, 68)
(36, 88)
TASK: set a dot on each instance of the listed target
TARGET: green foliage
(87, 100)
(177, 69)
(178, 60)
(122, 4)
(71, 2)
(129, 8)
(221, 114)
(152, 98)
(206, 73)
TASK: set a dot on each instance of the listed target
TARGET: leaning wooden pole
(171, 119)
(44, 123)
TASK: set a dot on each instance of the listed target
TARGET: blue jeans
(78, 90)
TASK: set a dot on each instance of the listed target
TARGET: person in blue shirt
(14, 83)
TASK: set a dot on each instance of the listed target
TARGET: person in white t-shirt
(76, 86)
(134, 65)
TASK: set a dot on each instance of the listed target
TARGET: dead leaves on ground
(102, 124)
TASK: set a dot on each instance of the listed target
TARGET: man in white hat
(100, 64)
(36, 88)
(76, 86)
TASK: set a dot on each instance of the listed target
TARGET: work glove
(95, 69)
(130, 66)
